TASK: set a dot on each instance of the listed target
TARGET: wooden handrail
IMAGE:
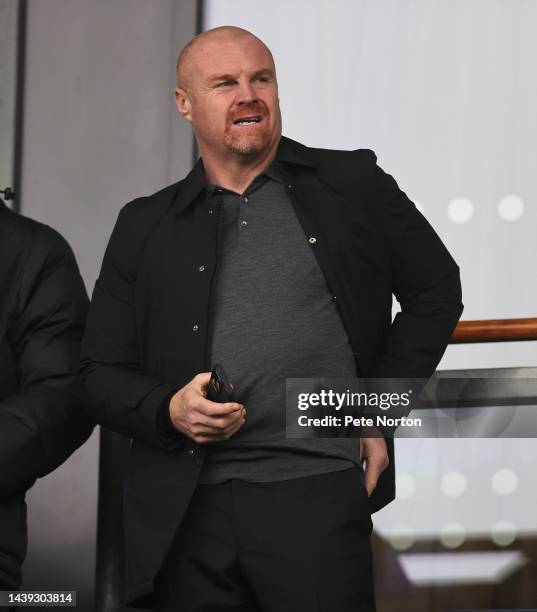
(495, 330)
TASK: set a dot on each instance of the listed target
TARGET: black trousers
(300, 545)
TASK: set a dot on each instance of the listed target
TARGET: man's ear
(182, 101)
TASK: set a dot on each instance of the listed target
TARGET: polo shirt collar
(289, 152)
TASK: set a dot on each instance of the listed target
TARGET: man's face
(231, 97)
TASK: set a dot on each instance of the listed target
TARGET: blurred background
(443, 91)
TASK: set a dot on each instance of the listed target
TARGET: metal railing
(495, 330)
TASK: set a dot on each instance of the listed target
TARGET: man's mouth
(248, 120)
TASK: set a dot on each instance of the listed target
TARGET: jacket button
(211, 211)
(201, 268)
(190, 452)
(334, 298)
(312, 240)
(195, 327)
(289, 186)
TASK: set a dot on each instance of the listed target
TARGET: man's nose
(246, 93)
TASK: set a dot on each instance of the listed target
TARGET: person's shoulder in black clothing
(42, 316)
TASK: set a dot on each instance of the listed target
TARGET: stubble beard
(247, 145)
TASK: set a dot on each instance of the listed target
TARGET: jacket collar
(289, 152)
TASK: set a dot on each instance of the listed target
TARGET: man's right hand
(200, 419)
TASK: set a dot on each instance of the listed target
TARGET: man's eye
(225, 83)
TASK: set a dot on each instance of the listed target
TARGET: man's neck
(236, 173)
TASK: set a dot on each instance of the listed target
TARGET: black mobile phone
(219, 388)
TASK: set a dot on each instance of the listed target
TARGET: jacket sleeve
(119, 394)
(43, 421)
(425, 281)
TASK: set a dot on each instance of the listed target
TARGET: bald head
(187, 57)
(227, 89)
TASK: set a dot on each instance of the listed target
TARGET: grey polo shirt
(274, 319)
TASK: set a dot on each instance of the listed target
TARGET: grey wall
(9, 16)
(100, 127)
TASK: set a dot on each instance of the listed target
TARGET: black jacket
(150, 320)
(43, 309)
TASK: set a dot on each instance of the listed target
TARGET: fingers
(215, 409)
(215, 424)
(203, 437)
(196, 398)
(375, 455)
(202, 378)
(201, 419)
(372, 474)
(211, 421)
(200, 381)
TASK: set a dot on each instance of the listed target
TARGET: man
(277, 261)
(42, 315)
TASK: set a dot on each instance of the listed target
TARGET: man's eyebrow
(264, 72)
(231, 77)
(220, 77)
